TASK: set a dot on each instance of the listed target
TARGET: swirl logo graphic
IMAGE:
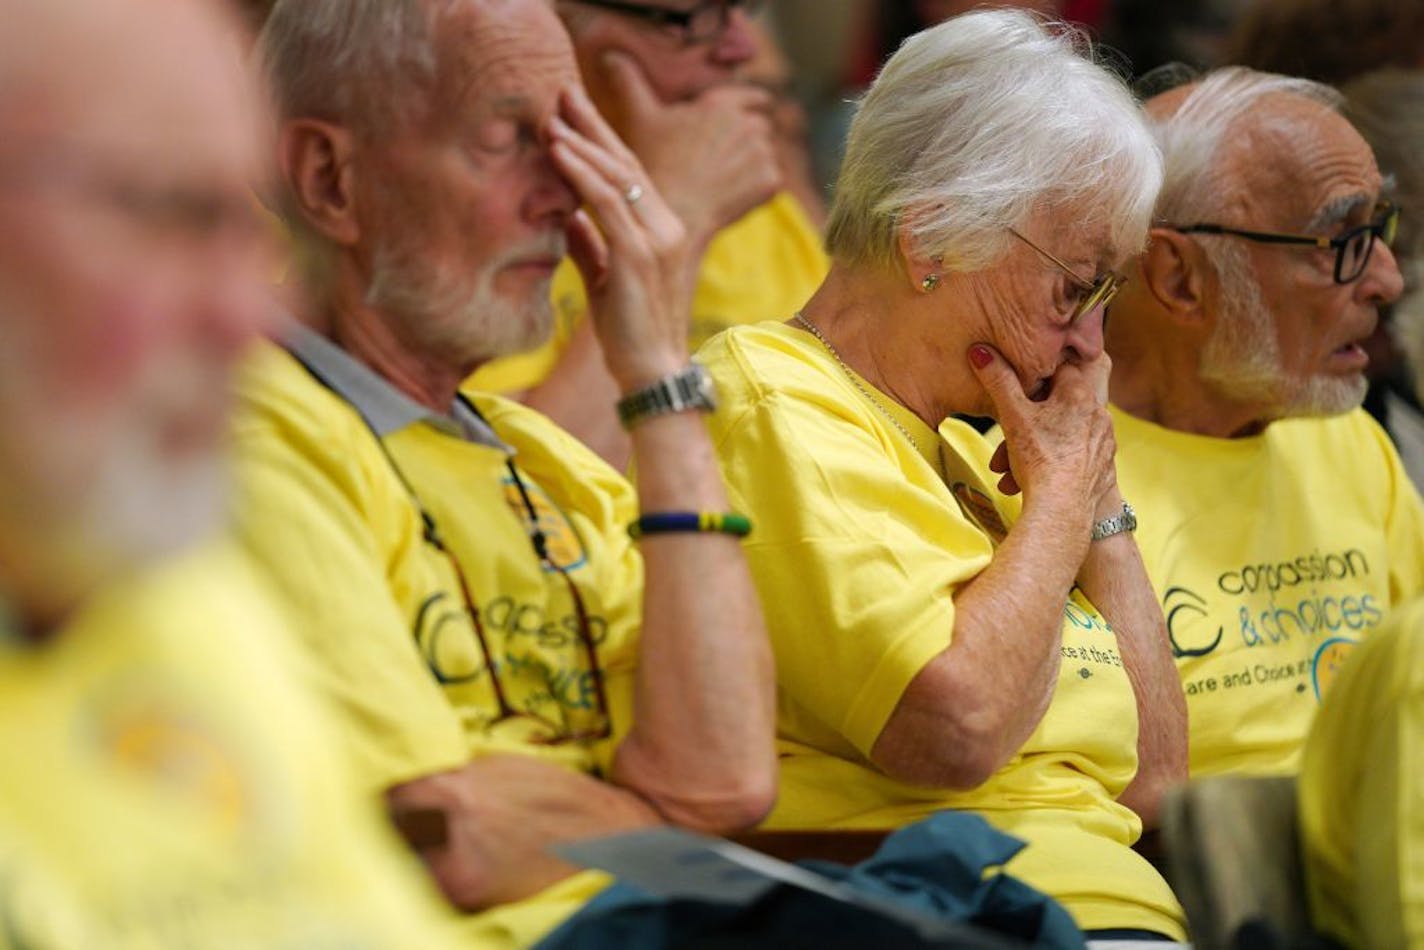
(1184, 609)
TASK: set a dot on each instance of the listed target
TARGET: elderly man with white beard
(1277, 523)
(527, 652)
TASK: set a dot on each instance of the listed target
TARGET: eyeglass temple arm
(1268, 236)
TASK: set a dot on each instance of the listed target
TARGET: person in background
(1278, 525)
(1330, 41)
(958, 622)
(525, 652)
(672, 87)
(165, 780)
(1387, 108)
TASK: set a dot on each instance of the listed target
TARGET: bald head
(129, 280)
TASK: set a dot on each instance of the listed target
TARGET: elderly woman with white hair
(964, 621)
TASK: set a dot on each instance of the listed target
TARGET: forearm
(975, 704)
(489, 826)
(1115, 580)
(701, 748)
(580, 396)
(700, 745)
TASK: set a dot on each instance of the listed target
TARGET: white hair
(976, 125)
(362, 63)
(1194, 143)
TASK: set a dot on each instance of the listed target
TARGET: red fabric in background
(1087, 12)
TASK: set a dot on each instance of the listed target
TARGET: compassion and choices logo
(169, 743)
(1310, 596)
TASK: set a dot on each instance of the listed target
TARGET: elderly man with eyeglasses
(1275, 517)
(526, 651)
(667, 75)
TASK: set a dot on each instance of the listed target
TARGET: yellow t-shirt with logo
(334, 511)
(1362, 793)
(763, 266)
(860, 543)
(1273, 556)
(165, 782)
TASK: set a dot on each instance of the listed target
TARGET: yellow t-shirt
(164, 782)
(1273, 556)
(761, 267)
(335, 511)
(861, 541)
(1362, 793)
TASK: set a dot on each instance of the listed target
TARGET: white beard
(88, 494)
(1242, 359)
(471, 323)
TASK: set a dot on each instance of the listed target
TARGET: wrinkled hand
(714, 158)
(502, 813)
(1062, 445)
(633, 255)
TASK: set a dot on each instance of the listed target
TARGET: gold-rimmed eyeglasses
(1097, 292)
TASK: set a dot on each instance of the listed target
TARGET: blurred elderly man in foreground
(1277, 522)
(163, 780)
(471, 582)
(670, 82)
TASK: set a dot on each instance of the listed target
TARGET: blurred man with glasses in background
(1275, 517)
(526, 651)
(668, 76)
(165, 779)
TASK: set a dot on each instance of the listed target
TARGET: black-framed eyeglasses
(704, 23)
(1098, 292)
(1352, 249)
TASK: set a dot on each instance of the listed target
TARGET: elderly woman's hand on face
(1061, 443)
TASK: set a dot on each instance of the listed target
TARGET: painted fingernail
(980, 356)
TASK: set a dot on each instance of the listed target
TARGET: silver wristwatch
(689, 388)
(1126, 520)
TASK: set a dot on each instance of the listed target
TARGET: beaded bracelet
(667, 522)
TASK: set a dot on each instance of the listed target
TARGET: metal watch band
(687, 389)
(1125, 520)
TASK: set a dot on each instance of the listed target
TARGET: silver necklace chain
(855, 380)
